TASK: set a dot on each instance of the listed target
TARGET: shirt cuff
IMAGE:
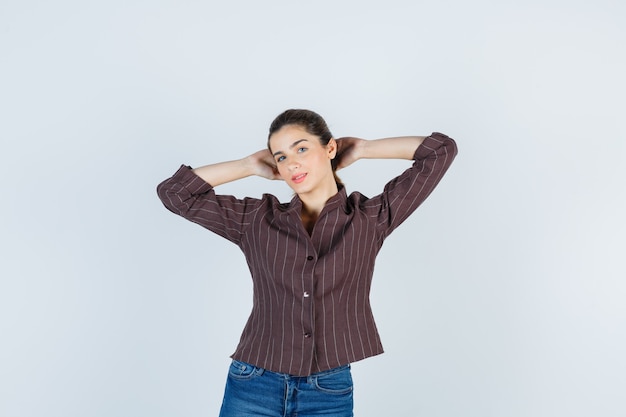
(192, 182)
(430, 145)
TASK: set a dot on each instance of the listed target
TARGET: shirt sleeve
(405, 193)
(189, 196)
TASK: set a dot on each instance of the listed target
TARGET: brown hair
(310, 121)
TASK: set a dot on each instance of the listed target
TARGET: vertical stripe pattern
(311, 310)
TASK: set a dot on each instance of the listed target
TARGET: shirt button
(306, 294)
(307, 335)
(310, 258)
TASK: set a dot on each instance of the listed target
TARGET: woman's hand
(262, 164)
(348, 151)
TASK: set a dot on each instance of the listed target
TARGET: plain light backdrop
(502, 296)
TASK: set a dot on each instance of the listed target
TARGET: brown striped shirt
(311, 310)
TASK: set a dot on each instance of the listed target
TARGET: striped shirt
(311, 310)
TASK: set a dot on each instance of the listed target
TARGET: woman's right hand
(263, 164)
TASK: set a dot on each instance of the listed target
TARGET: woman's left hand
(347, 151)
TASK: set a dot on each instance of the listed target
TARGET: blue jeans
(252, 391)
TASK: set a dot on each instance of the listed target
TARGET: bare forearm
(352, 149)
(223, 172)
(402, 147)
(260, 163)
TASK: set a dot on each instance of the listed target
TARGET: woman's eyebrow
(293, 145)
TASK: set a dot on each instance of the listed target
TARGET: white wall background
(112, 306)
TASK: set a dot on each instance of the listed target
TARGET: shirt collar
(338, 200)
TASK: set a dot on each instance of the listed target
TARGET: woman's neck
(313, 204)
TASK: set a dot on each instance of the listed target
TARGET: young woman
(311, 259)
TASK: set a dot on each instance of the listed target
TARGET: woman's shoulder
(273, 203)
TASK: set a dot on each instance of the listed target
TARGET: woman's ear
(331, 147)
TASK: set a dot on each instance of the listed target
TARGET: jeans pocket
(241, 370)
(335, 382)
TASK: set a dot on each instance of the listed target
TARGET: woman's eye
(280, 159)
(301, 149)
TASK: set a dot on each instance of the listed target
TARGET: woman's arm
(432, 156)
(350, 150)
(190, 194)
(260, 163)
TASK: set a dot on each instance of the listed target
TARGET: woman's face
(302, 161)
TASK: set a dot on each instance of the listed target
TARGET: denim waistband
(261, 371)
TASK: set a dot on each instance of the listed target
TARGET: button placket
(308, 300)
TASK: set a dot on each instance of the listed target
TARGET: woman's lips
(298, 178)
